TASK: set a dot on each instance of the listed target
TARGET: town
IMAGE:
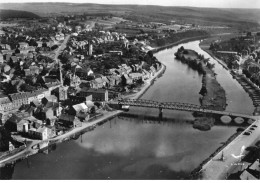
(65, 74)
(55, 78)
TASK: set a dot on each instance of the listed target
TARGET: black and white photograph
(138, 90)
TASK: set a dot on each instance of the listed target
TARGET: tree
(5, 137)
(93, 110)
(185, 52)
(248, 34)
(44, 45)
(150, 54)
(97, 104)
(32, 42)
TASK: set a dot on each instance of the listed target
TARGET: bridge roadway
(174, 106)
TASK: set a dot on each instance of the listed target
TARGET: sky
(196, 3)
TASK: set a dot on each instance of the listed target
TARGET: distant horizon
(225, 4)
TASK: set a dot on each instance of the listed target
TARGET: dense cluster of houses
(39, 98)
(247, 58)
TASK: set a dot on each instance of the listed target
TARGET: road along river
(137, 149)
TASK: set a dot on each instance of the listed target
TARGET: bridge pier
(160, 113)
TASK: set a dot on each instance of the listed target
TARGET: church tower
(63, 94)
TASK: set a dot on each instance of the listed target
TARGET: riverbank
(185, 40)
(213, 94)
(197, 172)
(248, 86)
(215, 169)
(146, 85)
(205, 47)
(28, 151)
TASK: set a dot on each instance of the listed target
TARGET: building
(90, 49)
(126, 80)
(74, 81)
(19, 99)
(42, 133)
(136, 76)
(16, 122)
(32, 70)
(49, 111)
(69, 120)
(63, 94)
(1, 58)
(78, 108)
(49, 99)
(5, 103)
(97, 94)
(23, 45)
(12, 124)
(146, 74)
(97, 83)
(5, 47)
(84, 72)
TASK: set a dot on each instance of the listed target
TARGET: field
(241, 19)
(4, 14)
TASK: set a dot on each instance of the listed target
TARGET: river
(137, 149)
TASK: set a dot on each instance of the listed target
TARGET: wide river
(137, 149)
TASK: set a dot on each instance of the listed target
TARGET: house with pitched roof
(97, 94)
(69, 120)
(42, 133)
(78, 108)
(5, 103)
(97, 83)
(23, 45)
(84, 72)
(126, 80)
(49, 111)
(135, 76)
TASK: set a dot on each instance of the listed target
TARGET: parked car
(246, 133)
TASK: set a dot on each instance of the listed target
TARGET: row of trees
(234, 44)
(174, 37)
(195, 64)
(253, 78)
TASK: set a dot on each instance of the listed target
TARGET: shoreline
(234, 146)
(29, 151)
(235, 75)
(203, 47)
(199, 171)
(147, 84)
(185, 40)
(213, 94)
(24, 154)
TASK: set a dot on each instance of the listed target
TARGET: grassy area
(241, 19)
(175, 37)
(5, 14)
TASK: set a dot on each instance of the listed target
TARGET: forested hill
(4, 14)
(143, 13)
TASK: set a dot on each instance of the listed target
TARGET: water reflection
(6, 172)
(234, 91)
(159, 144)
(122, 149)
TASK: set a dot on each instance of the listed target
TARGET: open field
(242, 19)
(17, 14)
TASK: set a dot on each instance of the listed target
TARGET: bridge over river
(174, 106)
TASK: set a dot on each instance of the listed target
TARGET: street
(215, 169)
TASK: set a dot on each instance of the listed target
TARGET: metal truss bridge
(174, 106)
